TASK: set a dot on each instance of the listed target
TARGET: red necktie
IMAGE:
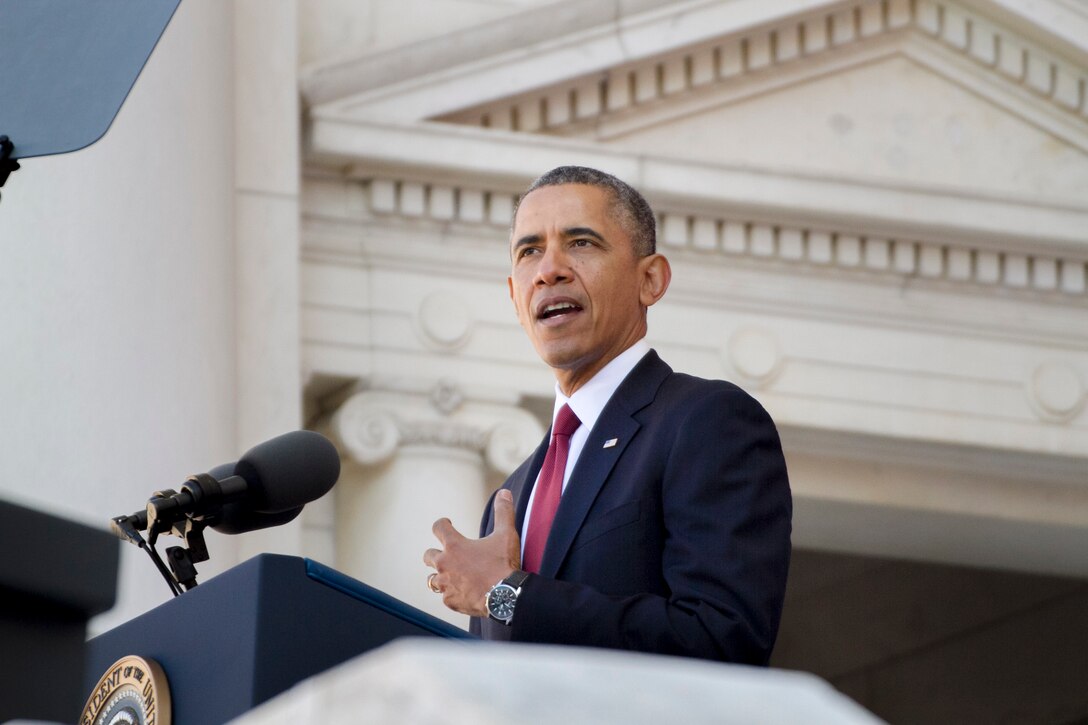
(549, 488)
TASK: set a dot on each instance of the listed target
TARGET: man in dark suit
(656, 516)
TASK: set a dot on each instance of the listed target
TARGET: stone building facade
(877, 217)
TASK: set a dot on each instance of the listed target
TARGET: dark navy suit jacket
(675, 540)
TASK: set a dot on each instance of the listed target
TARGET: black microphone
(268, 486)
(289, 471)
(237, 518)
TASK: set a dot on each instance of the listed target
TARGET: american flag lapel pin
(611, 442)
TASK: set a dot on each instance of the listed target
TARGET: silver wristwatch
(503, 596)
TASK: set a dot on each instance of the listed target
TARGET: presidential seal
(133, 691)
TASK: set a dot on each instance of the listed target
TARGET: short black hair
(630, 207)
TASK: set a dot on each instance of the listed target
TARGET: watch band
(516, 578)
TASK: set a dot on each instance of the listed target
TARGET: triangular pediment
(639, 51)
(895, 91)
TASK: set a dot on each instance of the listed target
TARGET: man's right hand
(468, 568)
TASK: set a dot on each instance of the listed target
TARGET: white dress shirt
(587, 402)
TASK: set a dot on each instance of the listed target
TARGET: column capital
(371, 425)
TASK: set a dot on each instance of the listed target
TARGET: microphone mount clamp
(183, 514)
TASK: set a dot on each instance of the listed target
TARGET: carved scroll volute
(372, 425)
(512, 439)
(368, 432)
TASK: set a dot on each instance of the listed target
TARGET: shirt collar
(588, 401)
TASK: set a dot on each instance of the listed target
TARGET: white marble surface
(448, 683)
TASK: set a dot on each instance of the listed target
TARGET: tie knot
(566, 422)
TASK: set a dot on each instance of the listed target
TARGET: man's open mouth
(556, 309)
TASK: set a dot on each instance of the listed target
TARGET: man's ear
(655, 275)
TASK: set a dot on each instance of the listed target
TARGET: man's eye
(582, 243)
(526, 251)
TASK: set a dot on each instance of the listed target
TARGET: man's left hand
(468, 568)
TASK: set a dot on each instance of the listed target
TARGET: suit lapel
(596, 461)
(522, 484)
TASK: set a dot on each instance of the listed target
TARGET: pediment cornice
(558, 41)
(593, 59)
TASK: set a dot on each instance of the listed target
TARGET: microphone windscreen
(223, 470)
(289, 471)
(237, 518)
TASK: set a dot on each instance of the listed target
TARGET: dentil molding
(1035, 267)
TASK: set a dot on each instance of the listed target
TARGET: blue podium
(254, 631)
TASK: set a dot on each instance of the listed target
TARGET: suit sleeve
(727, 516)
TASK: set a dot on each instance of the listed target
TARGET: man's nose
(554, 266)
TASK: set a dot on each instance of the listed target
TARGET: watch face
(500, 602)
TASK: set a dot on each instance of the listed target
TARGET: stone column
(413, 456)
(266, 238)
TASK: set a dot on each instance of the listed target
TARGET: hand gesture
(465, 569)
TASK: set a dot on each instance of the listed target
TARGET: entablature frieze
(1060, 271)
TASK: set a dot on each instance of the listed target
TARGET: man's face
(579, 289)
